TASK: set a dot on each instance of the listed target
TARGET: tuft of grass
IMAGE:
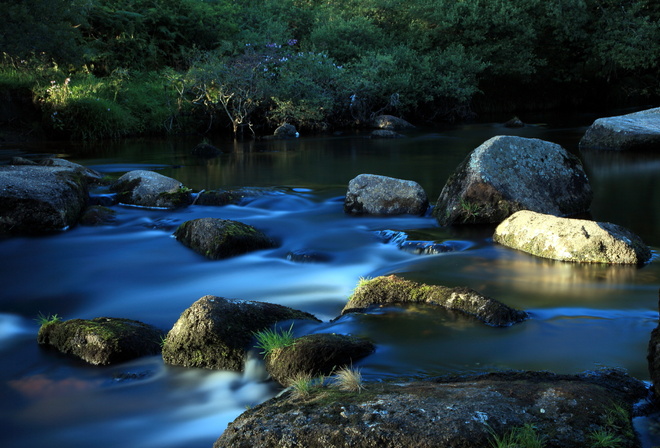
(271, 339)
(519, 437)
(349, 379)
(43, 319)
(472, 210)
(604, 438)
(301, 384)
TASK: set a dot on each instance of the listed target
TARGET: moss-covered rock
(216, 333)
(566, 239)
(392, 290)
(565, 410)
(221, 238)
(103, 340)
(150, 189)
(370, 194)
(316, 355)
(506, 174)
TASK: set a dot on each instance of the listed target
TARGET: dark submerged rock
(316, 354)
(98, 215)
(221, 238)
(653, 357)
(308, 256)
(515, 122)
(40, 199)
(370, 194)
(238, 196)
(216, 333)
(507, 174)
(385, 133)
(103, 340)
(567, 239)
(638, 131)
(446, 412)
(206, 150)
(150, 189)
(393, 290)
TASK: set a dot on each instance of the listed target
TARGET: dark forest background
(91, 69)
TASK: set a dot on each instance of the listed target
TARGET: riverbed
(583, 317)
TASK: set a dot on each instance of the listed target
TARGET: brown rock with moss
(507, 174)
(392, 290)
(564, 410)
(221, 238)
(216, 333)
(103, 340)
(316, 355)
(575, 240)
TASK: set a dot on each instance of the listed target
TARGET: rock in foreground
(370, 194)
(221, 238)
(637, 131)
(103, 340)
(507, 174)
(566, 410)
(393, 290)
(576, 240)
(216, 333)
(38, 199)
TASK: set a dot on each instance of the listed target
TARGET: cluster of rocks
(528, 188)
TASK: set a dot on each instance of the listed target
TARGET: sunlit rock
(391, 123)
(150, 189)
(221, 238)
(103, 340)
(216, 333)
(568, 239)
(42, 198)
(463, 412)
(392, 290)
(315, 355)
(507, 174)
(370, 194)
(637, 131)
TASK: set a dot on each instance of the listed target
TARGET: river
(583, 317)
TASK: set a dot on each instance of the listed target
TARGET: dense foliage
(109, 68)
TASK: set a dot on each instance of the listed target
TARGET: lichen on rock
(391, 290)
(569, 239)
(370, 194)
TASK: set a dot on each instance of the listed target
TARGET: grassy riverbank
(114, 68)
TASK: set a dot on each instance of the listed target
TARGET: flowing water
(583, 317)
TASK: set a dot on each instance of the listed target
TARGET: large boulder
(565, 411)
(636, 131)
(150, 189)
(370, 194)
(316, 355)
(216, 333)
(507, 174)
(36, 199)
(103, 340)
(221, 238)
(392, 290)
(567, 239)
(286, 131)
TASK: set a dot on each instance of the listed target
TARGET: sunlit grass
(349, 379)
(271, 339)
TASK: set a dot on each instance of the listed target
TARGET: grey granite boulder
(221, 238)
(150, 189)
(567, 239)
(636, 131)
(507, 174)
(564, 411)
(393, 290)
(370, 194)
(216, 333)
(37, 199)
(103, 340)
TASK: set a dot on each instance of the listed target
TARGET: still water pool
(582, 317)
